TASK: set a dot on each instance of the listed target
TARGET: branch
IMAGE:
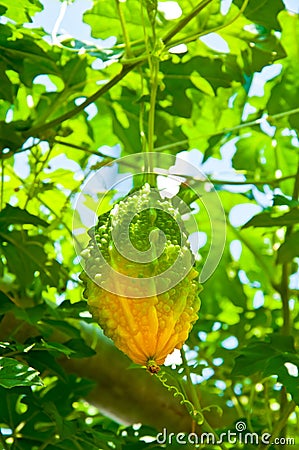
(251, 123)
(196, 36)
(270, 182)
(280, 424)
(73, 112)
(80, 147)
(125, 70)
(284, 284)
(126, 395)
(182, 23)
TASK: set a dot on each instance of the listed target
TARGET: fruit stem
(153, 63)
(128, 52)
(152, 367)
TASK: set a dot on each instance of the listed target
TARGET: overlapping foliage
(245, 129)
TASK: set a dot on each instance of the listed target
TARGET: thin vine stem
(153, 63)
(251, 123)
(128, 52)
(144, 142)
(194, 395)
(267, 403)
(152, 112)
(284, 291)
(211, 30)
(37, 173)
(3, 442)
(80, 147)
(238, 406)
(58, 22)
(295, 194)
(206, 427)
(271, 182)
(285, 272)
(183, 22)
(2, 185)
(182, 398)
(280, 424)
(250, 407)
(141, 116)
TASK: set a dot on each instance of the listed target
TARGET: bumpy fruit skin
(147, 328)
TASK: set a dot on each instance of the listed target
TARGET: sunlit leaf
(21, 11)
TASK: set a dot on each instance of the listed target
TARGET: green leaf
(261, 12)
(282, 343)
(27, 54)
(279, 200)
(21, 10)
(202, 84)
(187, 195)
(285, 92)
(73, 310)
(180, 77)
(203, 102)
(276, 366)
(45, 362)
(79, 348)
(289, 249)
(74, 71)
(269, 358)
(252, 358)
(56, 347)
(32, 314)
(255, 155)
(5, 303)
(267, 219)
(6, 90)
(15, 215)
(26, 255)
(63, 326)
(104, 19)
(10, 137)
(13, 373)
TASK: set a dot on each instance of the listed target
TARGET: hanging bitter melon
(149, 323)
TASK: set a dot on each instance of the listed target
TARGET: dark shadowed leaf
(267, 219)
(27, 257)
(278, 365)
(261, 12)
(5, 303)
(14, 373)
(289, 249)
(79, 348)
(12, 215)
(279, 200)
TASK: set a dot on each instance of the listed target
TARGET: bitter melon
(151, 324)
